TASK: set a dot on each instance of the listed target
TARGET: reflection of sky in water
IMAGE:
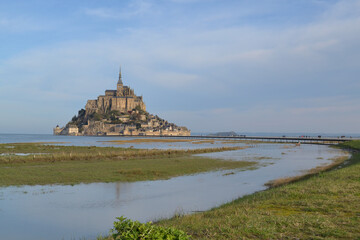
(21, 154)
(103, 141)
(86, 210)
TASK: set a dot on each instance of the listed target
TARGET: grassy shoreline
(311, 172)
(52, 164)
(324, 205)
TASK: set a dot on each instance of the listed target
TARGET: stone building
(71, 130)
(123, 99)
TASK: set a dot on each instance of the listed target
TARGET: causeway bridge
(284, 139)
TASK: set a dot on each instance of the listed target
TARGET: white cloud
(136, 8)
(102, 13)
(344, 9)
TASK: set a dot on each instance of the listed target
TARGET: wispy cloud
(21, 25)
(187, 1)
(232, 56)
(102, 13)
(134, 9)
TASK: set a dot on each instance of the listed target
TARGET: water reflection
(86, 210)
(100, 141)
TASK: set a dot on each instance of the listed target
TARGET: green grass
(71, 165)
(323, 206)
(354, 145)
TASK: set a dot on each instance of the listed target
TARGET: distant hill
(224, 134)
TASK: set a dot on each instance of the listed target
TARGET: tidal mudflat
(87, 210)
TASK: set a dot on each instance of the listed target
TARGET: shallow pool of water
(102, 141)
(87, 210)
(20, 154)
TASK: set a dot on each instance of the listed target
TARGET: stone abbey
(123, 99)
(119, 113)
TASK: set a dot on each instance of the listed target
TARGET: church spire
(120, 79)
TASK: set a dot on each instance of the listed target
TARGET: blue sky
(210, 65)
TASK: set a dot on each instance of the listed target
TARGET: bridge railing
(305, 140)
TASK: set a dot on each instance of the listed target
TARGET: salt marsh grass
(72, 165)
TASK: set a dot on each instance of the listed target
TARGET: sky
(209, 65)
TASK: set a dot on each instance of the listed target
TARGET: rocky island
(119, 113)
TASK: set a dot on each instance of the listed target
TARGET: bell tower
(120, 85)
(120, 82)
